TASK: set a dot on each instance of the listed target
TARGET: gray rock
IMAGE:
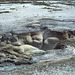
(62, 35)
(23, 61)
(6, 36)
(24, 49)
(25, 38)
(0, 37)
(2, 44)
(37, 39)
(50, 43)
(37, 52)
(14, 38)
(18, 43)
(2, 55)
(65, 43)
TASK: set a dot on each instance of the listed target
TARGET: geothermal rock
(23, 42)
(37, 39)
(64, 43)
(2, 55)
(62, 35)
(2, 44)
(37, 52)
(0, 37)
(26, 38)
(50, 43)
(10, 49)
(18, 43)
(14, 38)
(24, 49)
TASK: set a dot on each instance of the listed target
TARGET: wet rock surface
(46, 40)
(20, 47)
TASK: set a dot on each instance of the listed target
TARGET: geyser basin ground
(28, 18)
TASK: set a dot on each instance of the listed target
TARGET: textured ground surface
(16, 16)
